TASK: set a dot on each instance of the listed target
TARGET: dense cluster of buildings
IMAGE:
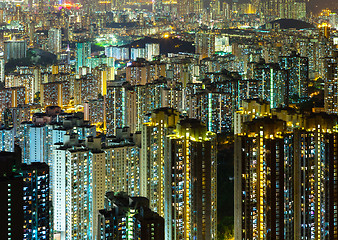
(108, 134)
(70, 169)
(285, 174)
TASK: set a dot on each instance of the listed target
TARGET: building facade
(285, 178)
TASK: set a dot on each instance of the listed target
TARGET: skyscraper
(79, 186)
(271, 82)
(2, 70)
(37, 205)
(83, 51)
(297, 77)
(269, 8)
(115, 108)
(152, 50)
(286, 9)
(186, 8)
(299, 9)
(205, 43)
(11, 202)
(28, 82)
(331, 83)
(38, 144)
(285, 181)
(7, 135)
(54, 40)
(15, 49)
(123, 165)
(260, 213)
(153, 156)
(190, 182)
(216, 104)
(55, 93)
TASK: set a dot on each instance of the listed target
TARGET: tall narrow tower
(191, 194)
(153, 156)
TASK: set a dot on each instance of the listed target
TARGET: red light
(68, 5)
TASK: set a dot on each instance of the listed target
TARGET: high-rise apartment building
(142, 72)
(104, 74)
(2, 70)
(56, 93)
(325, 47)
(127, 217)
(54, 40)
(123, 165)
(262, 186)
(94, 111)
(190, 182)
(152, 50)
(28, 81)
(83, 51)
(15, 49)
(205, 43)
(299, 10)
(271, 82)
(12, 97)
(331, 83)
(86, 88)
(297, 77)
(119, 53)
(37, 205)
(18, 115)
(212, 107)
(136, 53)
(11, 202)
(189, 7)
(93, 62)
(153, 156)
(40, 136)
(286, 9)
(7, 136)
(38, 144)
(115, 108)
(285, 181)
(79, 186)
(216, 104)
(283, 9)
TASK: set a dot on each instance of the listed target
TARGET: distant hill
(167, 45)
(35, 57)
(287, 24)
